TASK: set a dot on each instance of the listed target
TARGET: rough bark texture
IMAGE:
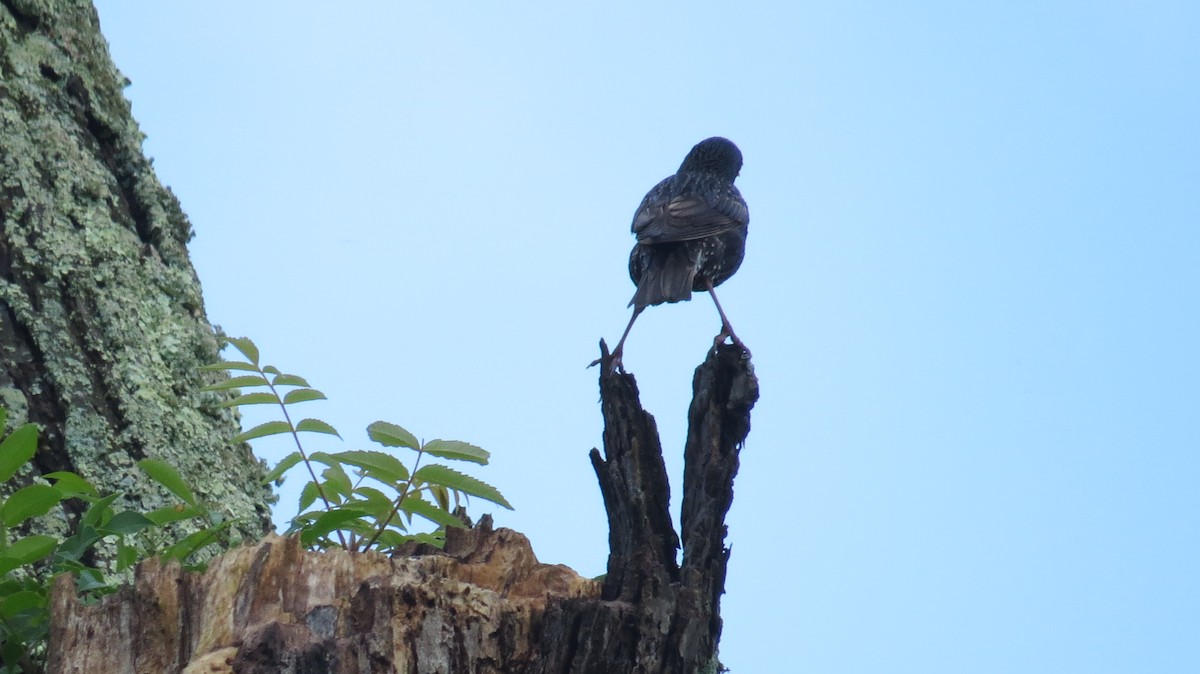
(678, 619)
(272, 607)
(484, 605)
(102, 325)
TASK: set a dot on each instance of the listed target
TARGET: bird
(691, 235)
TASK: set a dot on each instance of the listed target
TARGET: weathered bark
(102, 325)
(273, 607)
(484, 604)
(678, 606)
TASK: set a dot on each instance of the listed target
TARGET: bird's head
(714, 155)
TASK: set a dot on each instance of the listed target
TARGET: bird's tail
(667, 276)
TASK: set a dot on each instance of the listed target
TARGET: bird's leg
(616, 354)
(726, 328)
(615, 357)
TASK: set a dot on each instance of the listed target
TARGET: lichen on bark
(102, 323)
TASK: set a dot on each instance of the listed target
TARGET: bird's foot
(609, 362)
(727, 333)
(610, 365)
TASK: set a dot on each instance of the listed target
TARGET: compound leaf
(378, 465)
(283, 466)
(222, 365)
(244, 381)
(430, 512)
(448, 477)
(263, 430)
(391, 435)
(302, 395)
(317, 426)
(457, 451)
(327, 522)
(289, 380)
(247, 347)
(260, 398)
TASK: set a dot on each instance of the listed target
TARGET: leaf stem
(399, 499)
(300, 448)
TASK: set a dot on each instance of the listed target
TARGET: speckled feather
(691, 227)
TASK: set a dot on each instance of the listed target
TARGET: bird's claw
(727, 332)
(611, 362)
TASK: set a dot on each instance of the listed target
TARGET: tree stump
(483, 605)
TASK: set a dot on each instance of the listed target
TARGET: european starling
(691, 233)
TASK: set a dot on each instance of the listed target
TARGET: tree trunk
(102, 325)
(484, 605)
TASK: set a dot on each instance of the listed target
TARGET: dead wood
(482, 605)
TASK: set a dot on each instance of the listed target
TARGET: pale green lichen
(137, 307)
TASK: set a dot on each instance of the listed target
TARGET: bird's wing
(684, 211)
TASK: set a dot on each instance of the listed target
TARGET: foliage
(367, 498)
(30, 562)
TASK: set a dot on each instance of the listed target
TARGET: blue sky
(970, 285)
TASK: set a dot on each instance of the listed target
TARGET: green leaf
(441, 495)
(332, 492)
(99, 512)
(174, 513)
(283, 466)
(3, 419)
(328, 522)
(391, 435)
(359, 525)
(127, 522)
(252, 399)
(127, 555)
(89, 580)
(337, 479)
(221, 366)
(247, 347)
(448, 477)
(289, 380)
(270, 369)
(308, 495)
(302, 395)
(303, 520)
(17, 449)
(164, 474)
(316, 426)
(389, 539)
(436, 538)
(430, 512)
(31, 501)
(378, 465)
(457, 451)
(262, 431)
(30, 548)
(245, 381)
(72, 549)
(19, 602)
(69, 484)
(193, 542)
(371, 501)
(324, 458)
